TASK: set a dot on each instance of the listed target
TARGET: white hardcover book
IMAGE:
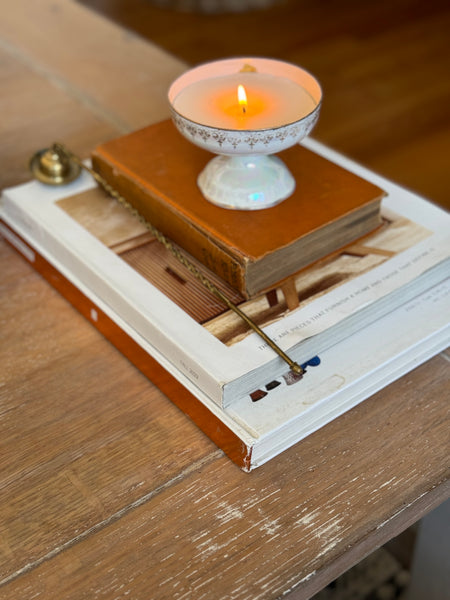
(224, 374)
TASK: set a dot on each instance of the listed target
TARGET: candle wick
(244, 110)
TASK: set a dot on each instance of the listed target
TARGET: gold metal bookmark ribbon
(58, 165)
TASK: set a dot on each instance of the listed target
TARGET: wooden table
(107, 490)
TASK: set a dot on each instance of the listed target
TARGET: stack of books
(372, 303)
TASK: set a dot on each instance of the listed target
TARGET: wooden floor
(384, 68)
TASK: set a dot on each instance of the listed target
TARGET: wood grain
(285, 525)
(68, 76)
(35, 112)
(106, 69)
(106, 489)
(75, 416)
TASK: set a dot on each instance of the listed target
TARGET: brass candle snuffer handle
(57, 166)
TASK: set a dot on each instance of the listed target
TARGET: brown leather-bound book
(156, 170)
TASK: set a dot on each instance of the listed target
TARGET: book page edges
(285, 261)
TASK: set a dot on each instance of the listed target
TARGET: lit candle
(242, 98)
(245, 110)
(277, 94)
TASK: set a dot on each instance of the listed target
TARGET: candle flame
(242, 98)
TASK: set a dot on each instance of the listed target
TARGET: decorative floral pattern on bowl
(232, 142)
(286, 102)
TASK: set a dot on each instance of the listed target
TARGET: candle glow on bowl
(245, 110)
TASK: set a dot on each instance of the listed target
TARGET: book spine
(164, 217)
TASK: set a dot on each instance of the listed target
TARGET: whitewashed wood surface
(106, 489)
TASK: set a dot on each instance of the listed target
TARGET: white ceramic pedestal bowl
(246, 175)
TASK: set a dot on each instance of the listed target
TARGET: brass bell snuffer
(53, 166)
